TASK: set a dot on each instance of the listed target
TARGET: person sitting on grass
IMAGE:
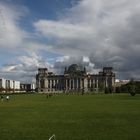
(7, 98)
(1, 97)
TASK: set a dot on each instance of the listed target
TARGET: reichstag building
(75, 79)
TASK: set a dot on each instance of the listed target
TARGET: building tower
(41, 78)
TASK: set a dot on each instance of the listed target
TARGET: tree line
(132, 87)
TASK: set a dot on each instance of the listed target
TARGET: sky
(58, 33)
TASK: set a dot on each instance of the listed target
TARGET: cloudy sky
(57, 33)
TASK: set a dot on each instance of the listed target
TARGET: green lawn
(73, 117)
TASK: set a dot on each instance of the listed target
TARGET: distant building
(119, 83)
(27, 87)
(9, 85)
(75, 79)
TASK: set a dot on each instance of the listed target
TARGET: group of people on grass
(7, 98)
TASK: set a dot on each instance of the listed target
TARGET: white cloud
(61, 29)
(63, 59)
(26, 68)
(86, 59)
(11, 35)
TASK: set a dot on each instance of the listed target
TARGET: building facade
(9, 86)
(75, 79)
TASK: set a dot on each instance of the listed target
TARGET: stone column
(106, 79)
(73, 84)
(66, 84)
(81, 84)
(50, 84)
(69, 84)
(38, 84)
(46, 84)
(54, 84)
(77, 83)
(97, 85)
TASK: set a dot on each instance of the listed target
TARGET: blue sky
(44, 9)
(57, 33)
(35, 10)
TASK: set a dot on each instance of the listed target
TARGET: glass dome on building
(74, 68)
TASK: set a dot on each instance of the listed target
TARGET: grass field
(73, 117)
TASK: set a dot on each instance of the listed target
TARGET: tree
(118, 89)
(132, 88)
